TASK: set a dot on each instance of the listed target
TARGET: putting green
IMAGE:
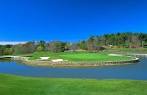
(80, 56)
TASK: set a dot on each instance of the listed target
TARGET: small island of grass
(78, 59)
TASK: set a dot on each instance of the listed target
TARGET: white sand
(115, 55)
(57, 60)
(44, 58)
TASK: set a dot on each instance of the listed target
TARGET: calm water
(134, 71)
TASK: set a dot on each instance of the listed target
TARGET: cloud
(10, 43)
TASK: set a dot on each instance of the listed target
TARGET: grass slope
(127, 50)
(80, 56)
(14, 85)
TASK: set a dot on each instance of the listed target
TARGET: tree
(1, 49)
(56, 46)
(26, 48)
(74, 47)
(90, 43)
(41, 46)
(82, 45)
(6, 50)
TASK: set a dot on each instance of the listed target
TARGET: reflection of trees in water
(5, 60)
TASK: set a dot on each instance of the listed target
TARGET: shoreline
(137, 54)
(25, 60)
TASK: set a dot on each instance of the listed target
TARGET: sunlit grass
(14, 85)
(80, 56)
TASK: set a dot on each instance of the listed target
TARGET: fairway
(80, 56)
(15, 85)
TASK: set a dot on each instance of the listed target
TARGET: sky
(69, 20)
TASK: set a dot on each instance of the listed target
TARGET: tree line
(93, 43)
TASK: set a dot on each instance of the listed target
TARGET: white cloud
(10, 43)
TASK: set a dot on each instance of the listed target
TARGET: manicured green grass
(93, 57)
(15, 85)
(80, 56)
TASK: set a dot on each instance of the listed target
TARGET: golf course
(73, 47)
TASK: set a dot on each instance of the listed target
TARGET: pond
(137, 71)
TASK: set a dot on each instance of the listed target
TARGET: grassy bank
(14, 85)
(127, 50)
(80, 56)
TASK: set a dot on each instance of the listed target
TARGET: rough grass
(14, 85)
(80, 56)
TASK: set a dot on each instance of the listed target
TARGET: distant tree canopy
(93, 43)
(26, 48)
(129, 39)
(6, 50)
(41, 46)
(56, 46)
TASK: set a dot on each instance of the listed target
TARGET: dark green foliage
(41, 46)
(83, 45)
(26, 48)
(6, 50)
(56, 46)
(124, 40)
(129, 39)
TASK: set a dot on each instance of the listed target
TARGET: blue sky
(69, 20)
